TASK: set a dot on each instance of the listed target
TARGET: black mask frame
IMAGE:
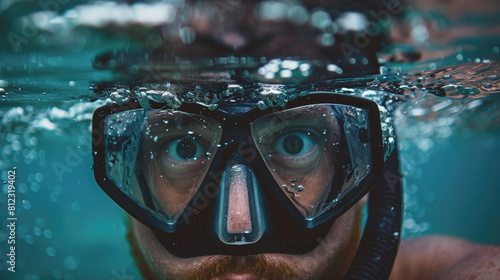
(286, 229)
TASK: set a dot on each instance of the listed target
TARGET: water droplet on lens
(236, 168)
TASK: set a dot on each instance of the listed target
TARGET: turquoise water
(67, 228)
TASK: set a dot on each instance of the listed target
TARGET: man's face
(309, 136)
(240, 25)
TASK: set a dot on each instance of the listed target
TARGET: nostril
(238, 216)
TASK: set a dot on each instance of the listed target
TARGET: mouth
(241, 277)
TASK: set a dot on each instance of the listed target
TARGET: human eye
(295, 144)
(296, 149)
(183, 150)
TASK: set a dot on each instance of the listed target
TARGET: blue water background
(67, 228)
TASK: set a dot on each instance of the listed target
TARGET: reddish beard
(255, 267)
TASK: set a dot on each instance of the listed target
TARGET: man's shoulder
(442, 257)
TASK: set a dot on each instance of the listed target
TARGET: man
(269, 182)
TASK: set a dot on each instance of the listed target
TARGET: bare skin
(432, 257)
(440, 257)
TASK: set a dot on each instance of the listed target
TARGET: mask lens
(316, 153)
(160, 157)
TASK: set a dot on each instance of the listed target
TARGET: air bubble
(57, 274)
(304, 67)
(70, 263)
(286, 73)
(35, 187)
(334, 68)
(26, 204)
(47, 234)
(38, 177)
(37, 231)
(51, 252)
(298, 15)
(54, 197)
(40, 222)
(22, 188)
(320, 19)
(58, 190)
(29, 239)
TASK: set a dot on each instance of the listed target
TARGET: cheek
(160, 264)
(332, 256)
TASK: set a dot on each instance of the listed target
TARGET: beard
(254, 267)
(221, 267)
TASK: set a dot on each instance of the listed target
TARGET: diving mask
(238, 179)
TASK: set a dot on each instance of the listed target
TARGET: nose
(240, 220)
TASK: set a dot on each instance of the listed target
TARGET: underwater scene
(60, 60)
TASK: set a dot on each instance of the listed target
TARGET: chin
(329, 260)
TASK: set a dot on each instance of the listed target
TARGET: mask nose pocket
(239, 218)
